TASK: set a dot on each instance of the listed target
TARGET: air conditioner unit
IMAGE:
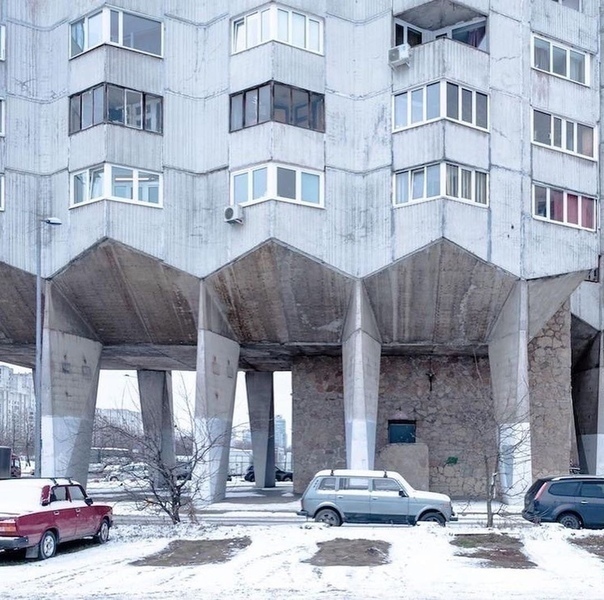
(399, 55)
(233, 214)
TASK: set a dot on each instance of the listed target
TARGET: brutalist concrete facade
(412, 198)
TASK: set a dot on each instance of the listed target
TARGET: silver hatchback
(354, 496)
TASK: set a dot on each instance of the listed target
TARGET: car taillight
(539, 493)
(8, 527)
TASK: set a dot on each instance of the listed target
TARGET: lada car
(351, 496)
(37, 514)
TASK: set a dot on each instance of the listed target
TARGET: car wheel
(329, 517)
(114, 478)
(570, 520)
(433, 517)
(102, 535)
(287, 479)
(48, 546)
(252, 479)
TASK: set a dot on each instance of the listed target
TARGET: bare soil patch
(351, 553)
(182, 553)
(499, 550)
(591, 543)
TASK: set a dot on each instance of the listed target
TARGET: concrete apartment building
(396, 200)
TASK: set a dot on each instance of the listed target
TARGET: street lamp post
(38, 370)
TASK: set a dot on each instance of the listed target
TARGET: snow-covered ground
(423, 565)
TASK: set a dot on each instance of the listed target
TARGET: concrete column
(70, 376)
(361, 352)
(260, 401)
(155, 389)
(508, 356)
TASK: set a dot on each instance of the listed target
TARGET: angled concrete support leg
(70, 377)
(260, 403)
(508, 355)
(155, 389)
(361, 351)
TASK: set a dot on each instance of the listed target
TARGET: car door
(389, 502)
(353, 498)
(86, 518)
(63, 512)
(592, 503)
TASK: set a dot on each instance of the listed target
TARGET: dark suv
(573, 501)
(280, 475)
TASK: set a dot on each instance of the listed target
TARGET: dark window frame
(392, 423)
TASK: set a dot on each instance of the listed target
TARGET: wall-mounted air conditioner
(399, 55)
(233, 214)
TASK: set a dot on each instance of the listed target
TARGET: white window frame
(2, 188)
(2, 117)
(442, 185)
(271, 185)
(563, 139)
(566, 193)
(2, 42)
(568, 49)
(108, 186)
(272, 35)
(106, 31)
(442, 106)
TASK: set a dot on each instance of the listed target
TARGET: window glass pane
(481, 187)
(559, 61)
(557, 132)
(400, 110)
(79, 187)
(433, 101)
(541, 127)
(300, 116)
(588, 213)
(452, 101)
(240, 188)
(98, 103)
(310, 188)
(251, 107)
(399, 34)
(402, 188)
(74, 113)
(142, 34)
(556, 205)
(239, 35)
(354, 483)
(298, 30)
(134, 109)
(402, 433)
(570, 136)
(252, 25)
(95, 30)
(541, 48)
(236, 112)
(148, 187)
(540, 207)
(417, 106)
(283, 25)
(122, 183)
(466, 106)
(314, 35)
(572, 209)
(452, 180)
(414, 38)
(265, 25)
(153, 113)
(86, 109)
(433, 181)
(286, 183)
(264, 103)
(577, 67)
(482, 110)
(97, 188)
(317, 112)
(115, 104)
(281, 103)
(417, 177)
(77, 37)
(259, 183)
(114, 27)
(585, 140)
(385, 485)
(466, 184)
(471, 34)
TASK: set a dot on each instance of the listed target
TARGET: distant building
(17, 406)
(280, 432)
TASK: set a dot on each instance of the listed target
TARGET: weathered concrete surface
(412, 461)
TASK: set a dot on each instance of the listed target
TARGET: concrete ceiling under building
(438, 14)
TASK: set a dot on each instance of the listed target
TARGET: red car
(38, 514)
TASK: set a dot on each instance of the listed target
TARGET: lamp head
(52, 221)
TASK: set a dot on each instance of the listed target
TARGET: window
(401, 432)
(112, 182)
(563, 134)
(274, 101)
(76, 493)
(383, 484)
(566, 488)
(2, 42)
(472, 33)
(2, 191)
(353, 483)
(561, 206)
(441, 100)
(275, 23)
(441, 179)
(111, 26)
(107, 103)
(327, 483)
(576, 4)
(277, 182)
(2, 116)
(560, 60)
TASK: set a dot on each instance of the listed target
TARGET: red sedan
(38, 514)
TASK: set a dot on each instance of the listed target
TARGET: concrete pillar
(508, 356)
(361, 352)
(155, 389)
(70, 376)
(217, 365)
(260, 401)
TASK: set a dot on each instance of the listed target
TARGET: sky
(423, 564)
